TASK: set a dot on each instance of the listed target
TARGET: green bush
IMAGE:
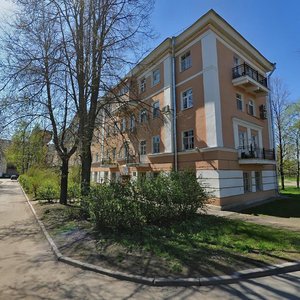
(25, 181)
(48, 191)
(74, 191)
(173, 196)
(161, 200)
(112, 207)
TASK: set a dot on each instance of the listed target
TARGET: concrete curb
(203, 281)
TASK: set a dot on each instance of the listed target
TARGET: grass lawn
(284, 207)
(202, 246)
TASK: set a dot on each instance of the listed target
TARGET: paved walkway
(286, 223)
(28, 269)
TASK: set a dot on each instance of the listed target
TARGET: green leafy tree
(28, 148)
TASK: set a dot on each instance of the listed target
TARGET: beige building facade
(198, 101)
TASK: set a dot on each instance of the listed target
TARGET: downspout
(174, 108)
(272, 127)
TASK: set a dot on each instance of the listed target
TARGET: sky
(271, 26)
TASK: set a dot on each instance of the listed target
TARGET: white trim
(148, 71)
(212, 98)
(189, 78)
(238, 122)
(237, 53)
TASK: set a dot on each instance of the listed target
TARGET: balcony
(256, 156)
(126, 106)
(108, 163)
(251, 80)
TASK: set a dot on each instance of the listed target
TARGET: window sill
(183, 109)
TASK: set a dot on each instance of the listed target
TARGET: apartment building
(198, 101)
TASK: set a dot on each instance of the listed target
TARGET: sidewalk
(283, 223)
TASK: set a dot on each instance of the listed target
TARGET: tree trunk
(86, 163)
(64, 181)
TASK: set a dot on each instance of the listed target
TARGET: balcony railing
(245, 70)
(251, 152)
(107, 162)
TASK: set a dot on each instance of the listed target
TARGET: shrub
(48, 191)
(74, 191)
(173, 196)
(25, 181)
(160, 200)
(111, 206)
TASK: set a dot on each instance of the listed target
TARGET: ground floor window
(247, 182)
(113, 177)
(258, 181)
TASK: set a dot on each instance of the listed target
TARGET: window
(125, 149)
(239, 102)
(155, 109)
(186, 61)
(258, 181)
(247, 182)
(251, 109)
(242, 139)
(107, 154)
(113, 153)
(105, 176)
(132, 122)
(143, 147)
(123, 125)
(113, 177)
(155, 144)
(236, 61)
(254, 141)
(187, 99)
(116, 128)
(188, 140)
(155, 77)
(97, 157)
(143, 85)
(143, 116)
(108, 131)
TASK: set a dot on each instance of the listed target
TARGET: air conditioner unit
(166, 109)
(263, 112)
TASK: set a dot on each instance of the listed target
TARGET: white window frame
(156, 144)
(190, 140)
(247, 182)
(155, 77)
(143, 85)
(187, 97)
(132, 122)
(253, 113)
(185, 61)
(239, 99)
(143, 115)
(143, 147)
(155, 109)
(243, 140)
(123, 125)
(249, 126)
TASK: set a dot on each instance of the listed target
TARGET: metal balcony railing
(251, 152)
(245, 70)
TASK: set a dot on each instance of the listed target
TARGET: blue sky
(273, 27)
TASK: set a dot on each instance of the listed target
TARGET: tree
(28, 148)
(35, 79)
(280, 96)
(65, 56)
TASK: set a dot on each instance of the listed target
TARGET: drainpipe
(272, 127)
(174, 108)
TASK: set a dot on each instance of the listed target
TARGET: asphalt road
(28, 269)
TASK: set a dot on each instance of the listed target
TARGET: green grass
(286, 207)
(203, 245)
